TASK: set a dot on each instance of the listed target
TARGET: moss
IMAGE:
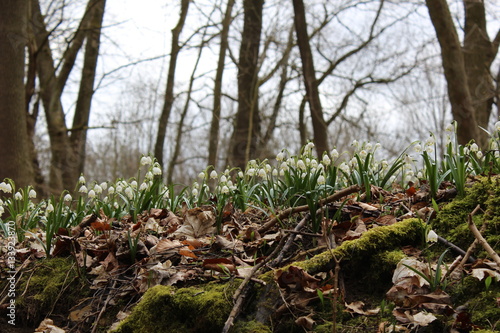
(193, 309)
(453, 216)
(250, 327)
(49, 284)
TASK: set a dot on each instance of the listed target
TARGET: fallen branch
(289, 211)
(240, 293)
(481, 239)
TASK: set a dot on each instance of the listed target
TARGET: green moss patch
(184, 310)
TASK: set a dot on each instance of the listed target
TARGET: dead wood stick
(289, 211)
(240, 293)
(481, 239)
(290, 240)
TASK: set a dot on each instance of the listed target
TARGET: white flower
(466, 151)
(104, 186)
(252, 163)
(282, 172)
(2, 210)
(432, 236)
(450, 128)
(334, 153)
(479, 154)
(280, 157)
(283, 166)
(83, 189)
(194, 192)
(420, 175)
(195, 185)
(116, 205)
(111, 190)
(494, 145)
(6, 187)
(275, 173)
(202, 175)
(144, 186)
(344, 167)
(301, 164)
(269, 168)
(223, 179)
(392, 179)
(309, 146)
(18, 196)
(355, 143)
(224, 189)
(68, 197)
(240, 174)
(385, 164)
(98, 189)
(251, 172)
(313, 163)
(418, 148)
(377, 146)
(321, 180)
(368, 146)
(430, 141)
(497, 125)
(50, 208)
(32, 194)
(166, 194)
(213, 174)
(146, 160)
(474, 147)
(408, 159)
(91, 194)
(230, 184)
(429, 149)
(262, 173)
(148, 175)
(129, 192)
(81, 180)
(133, 184)
(156, 171)
(363, 154)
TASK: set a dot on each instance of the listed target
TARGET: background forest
(235, 80)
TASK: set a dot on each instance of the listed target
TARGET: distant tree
(467, 67)
(312, 92)
(246, 133)
(213, 147)
(169, 93)
(67, 144)
(15, 161)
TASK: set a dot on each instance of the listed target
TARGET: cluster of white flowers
(5, 187)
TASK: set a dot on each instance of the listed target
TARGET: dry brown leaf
(197, 222)
(358, 307)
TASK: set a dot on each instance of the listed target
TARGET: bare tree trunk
(246, 131)
(479, 53)
(214, 127)
(169, 93)
(51, 90)
(319, 126)
(454, 71)
(178, 139)
(78, 136)
(15, 162)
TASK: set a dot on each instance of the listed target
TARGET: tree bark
(169, 92)
(454, 71)
(213, 146)
(52, 86)
(479, 53)
(15, 162)
(78, 136)
(246, 133)
(312, 93)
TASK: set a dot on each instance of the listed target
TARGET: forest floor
(354, 265)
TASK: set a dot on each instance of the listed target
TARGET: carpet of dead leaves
(122, 259)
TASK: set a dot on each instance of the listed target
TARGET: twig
(481, 239)
(290, 240)
(108, 299)
(240, 293)
(289, 211)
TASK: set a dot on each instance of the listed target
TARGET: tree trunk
(319, 126)
(51, 90)
(169, 93)
(454, 71)
(214, 127)
(15, 162)
(78, 137)
(246, 131)
(479, 53)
